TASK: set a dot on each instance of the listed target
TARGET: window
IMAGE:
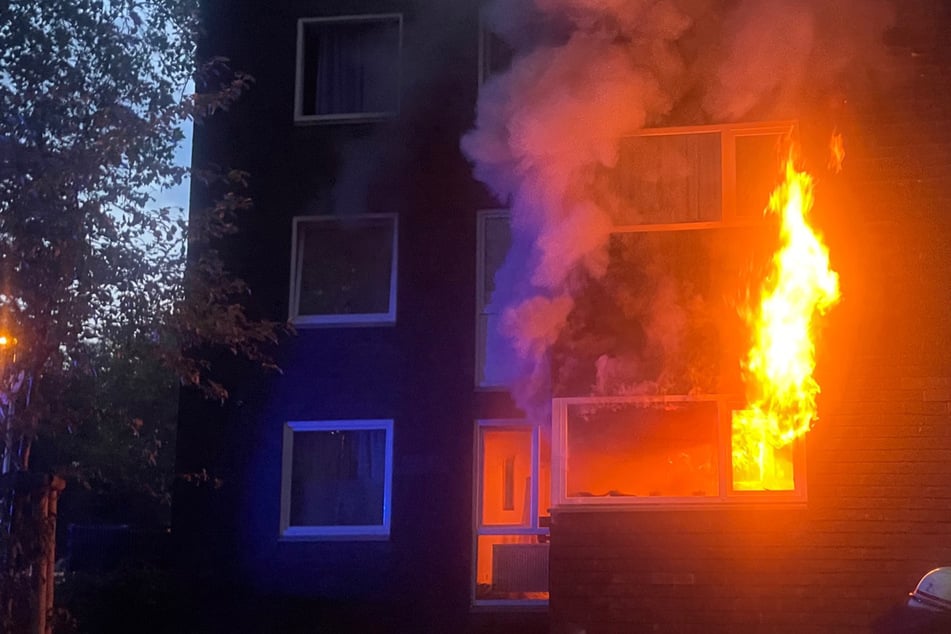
(348, 68)
(680, 448)
(495, 55)
(343, 270)
(493, 238)
(510, 549)
(660, 449)
(336, 479)
(698, 177)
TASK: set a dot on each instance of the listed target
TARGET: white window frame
(479, 529)
(372, 532)
(725, 494)
(481, 324)
(728, 132)
(349, 117)
(351, 319)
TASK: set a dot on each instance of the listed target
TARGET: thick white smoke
(587, 73)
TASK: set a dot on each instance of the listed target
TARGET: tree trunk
(29, 551)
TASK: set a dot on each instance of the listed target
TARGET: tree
(92, 97)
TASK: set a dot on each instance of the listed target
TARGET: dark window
(344, 270)
(348, 68)
(336, 479)
(495, 54)
(494, 241)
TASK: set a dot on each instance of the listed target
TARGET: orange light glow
(4, 341)
(777, 371)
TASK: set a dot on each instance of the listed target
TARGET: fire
(836, 152)
(778, 369)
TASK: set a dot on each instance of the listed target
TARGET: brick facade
(879, 478)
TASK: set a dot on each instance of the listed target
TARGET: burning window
(663, 317)
(343, 270)
(697, 176)
(658, 449)
(778, 367)
(755, 165)
(348, 68)
(642, 448)
(336, 479)
(699, 344)
(673, 178)
(512, 475)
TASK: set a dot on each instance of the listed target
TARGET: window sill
(335, 537)
(715, 504)
(342, 321)
(510, 605)
(343, 118)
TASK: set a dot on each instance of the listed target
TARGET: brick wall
(879, 462)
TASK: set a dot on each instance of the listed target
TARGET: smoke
(587, 73)
(780, 53)
(664, 320)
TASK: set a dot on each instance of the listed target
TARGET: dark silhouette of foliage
(100, 317)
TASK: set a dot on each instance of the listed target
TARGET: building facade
(403, 474)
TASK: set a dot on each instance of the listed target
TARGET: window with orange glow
(660, 340)
(672, 178)
(511, 501)
(697, 176)
(507, 476)
(643, 450)
(657, 450)
(755, 160)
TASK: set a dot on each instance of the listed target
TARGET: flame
(836, 152)
(778, 369)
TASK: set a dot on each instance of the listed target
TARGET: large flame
(778, 368)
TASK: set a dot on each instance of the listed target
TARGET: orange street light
(8, 343)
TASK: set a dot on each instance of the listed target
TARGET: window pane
(544, 474)
(670, 178)
(758, 464)
(506, 476)
(498, 239)
(757, 172)
(667, 315)
(496, 54)
(337, 478)
(492, 345)
(512, 567)
(642, 449)
(350, 67)
(346, 266)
